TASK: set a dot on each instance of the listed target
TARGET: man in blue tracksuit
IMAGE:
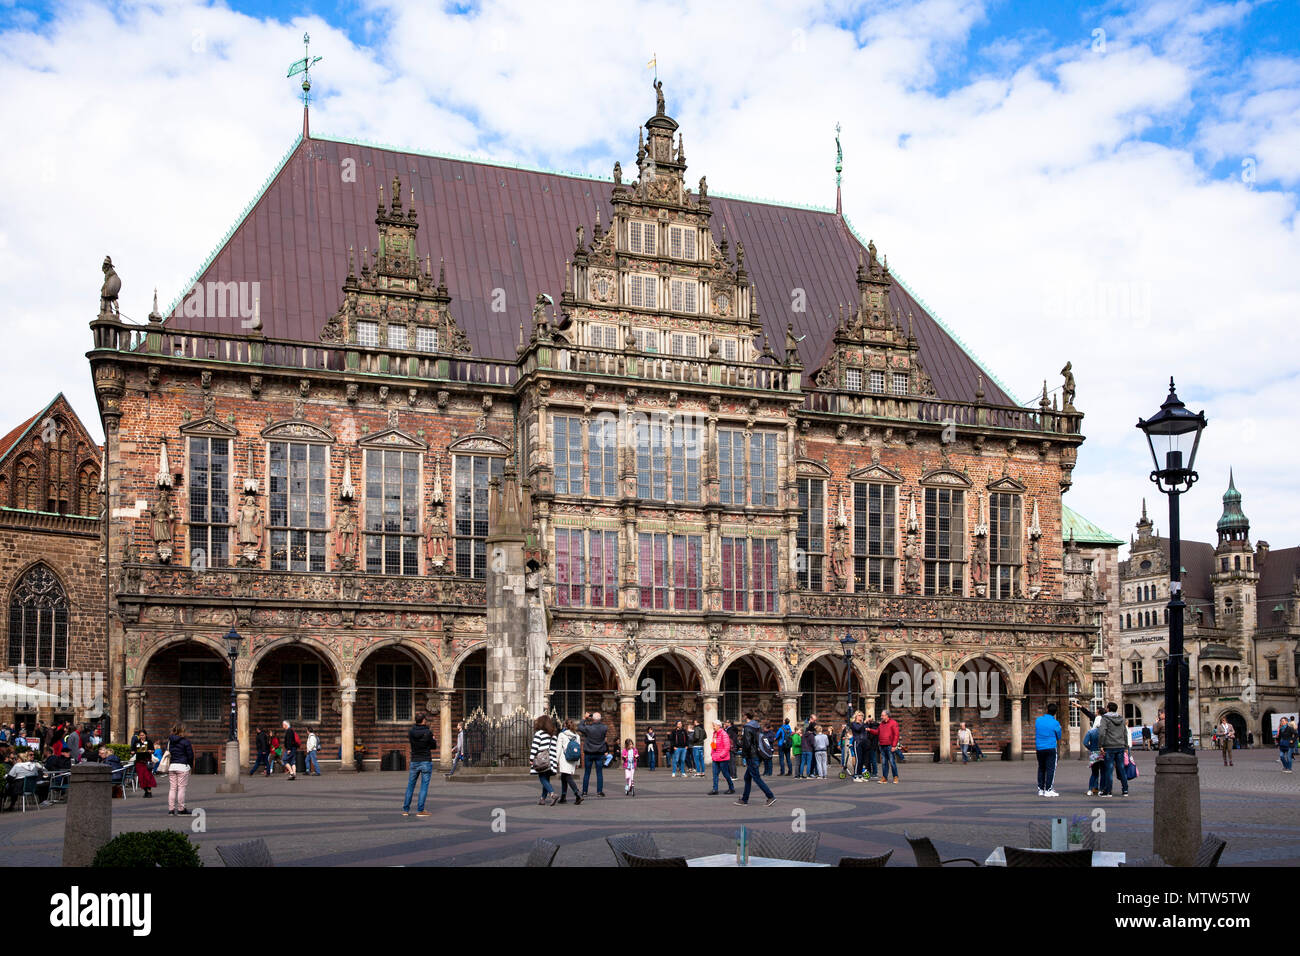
(1047, 738)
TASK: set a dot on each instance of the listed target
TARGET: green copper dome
(1233, 519)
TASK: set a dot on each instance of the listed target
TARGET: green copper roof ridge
(1102, 537)
(542, 170)
(239, 221)
(933, 314)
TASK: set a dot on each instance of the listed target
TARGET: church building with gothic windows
(431, 433)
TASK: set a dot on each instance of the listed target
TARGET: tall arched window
(88, 491)
(38, 621)
(26, 478)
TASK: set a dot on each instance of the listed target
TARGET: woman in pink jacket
(721, 758)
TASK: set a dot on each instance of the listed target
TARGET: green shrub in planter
(150, 848)
(123, 751)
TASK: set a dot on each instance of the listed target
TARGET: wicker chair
(252, 853)
(652, 861)
(1211, 849)
(865, 861)
(783, 845)
(927, 855)
(641, 844)
(1051, 858)
(1040, 836)
(542, 853)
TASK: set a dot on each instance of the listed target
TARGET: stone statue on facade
(345, 539)
(160, 526)
(1067, 389)
(912, 565)
(109, 290)
(840, 560)
(659, 97)
(1034, 568)
(249, 530)
(979, 567)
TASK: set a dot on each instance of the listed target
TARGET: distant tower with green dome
(1235, 578)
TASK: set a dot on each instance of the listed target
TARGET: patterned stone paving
(341, 820)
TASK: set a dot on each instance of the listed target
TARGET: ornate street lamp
(847, 642)
(1174, 433)
(233, 641)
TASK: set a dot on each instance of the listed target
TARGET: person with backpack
(568, 755)
(594, 748)
(754, 747)
(422, 744)
(783, 743)
(1114, 750)
(1047, 738)
(809, 732)
(263, 753)
(770, 734)
(291, 744)
(313, 745)
(721, 745)
(1092, 744)
(679, 740)
(1224, 735)
(180, 761)
(1286, 737)
(541, 757)
(698, 736)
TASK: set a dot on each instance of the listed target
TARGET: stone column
(348, 697)
(1017, 741)
(945, 728)
(134, 706)
(790, 708)
(627, 720)
(445, 741)
(242, 697)
(710, 718)
(88, 822)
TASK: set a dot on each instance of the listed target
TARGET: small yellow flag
(654, 60)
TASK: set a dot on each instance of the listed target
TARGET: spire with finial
(304, 66)
(839, 169)
(1233, 524)
(155, 317)
(410, 213)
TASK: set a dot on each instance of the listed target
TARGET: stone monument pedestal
(233, 783)
(88, 824)
(1177, 814)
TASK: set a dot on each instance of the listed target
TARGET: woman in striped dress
(541, 756)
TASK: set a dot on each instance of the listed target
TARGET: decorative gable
(878, 473)
(945, 476)
(1007, 483)
(293, 430)
(393, 305)
(209, 428)
(393, 438)
(479, 444)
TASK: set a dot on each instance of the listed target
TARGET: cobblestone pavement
(355, 819)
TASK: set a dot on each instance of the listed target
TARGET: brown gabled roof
(1198, 559)
(500, 227)
(14, 436)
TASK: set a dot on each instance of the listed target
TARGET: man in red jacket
(888, 741)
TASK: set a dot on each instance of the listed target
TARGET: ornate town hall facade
(450, 452)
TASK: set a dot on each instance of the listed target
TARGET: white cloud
(1026, 205)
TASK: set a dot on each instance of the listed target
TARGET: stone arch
(685, 655)
(459, 661)
(212, 643)
(623, 681)
(1069, 665)
(874, 675)
(417, 650)
(341, 673)
(1236, 719)
(778, 669)
(830, 660)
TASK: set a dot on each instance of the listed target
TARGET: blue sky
(1112, 183)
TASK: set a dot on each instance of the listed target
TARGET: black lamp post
(847, 642)
(232, 651)
(1174, 433)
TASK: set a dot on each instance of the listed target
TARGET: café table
(1099, 857)
(729, 859)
